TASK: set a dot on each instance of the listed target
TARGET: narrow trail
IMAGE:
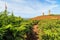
(35, 30)
(34, 34)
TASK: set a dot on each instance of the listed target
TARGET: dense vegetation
(49, 29)
(14, 28)
(17, 28)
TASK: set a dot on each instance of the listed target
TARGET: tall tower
(5, 6)
(49, 12)
(43, 13)
(5, 11)
(12, 14)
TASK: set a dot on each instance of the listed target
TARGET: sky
(31, 8)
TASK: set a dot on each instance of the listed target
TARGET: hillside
(46, 17)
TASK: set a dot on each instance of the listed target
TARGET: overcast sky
(31, 8)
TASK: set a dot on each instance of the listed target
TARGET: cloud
(51, 1)
(28, 8)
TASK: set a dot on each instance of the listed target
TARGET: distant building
(43, 13)
(49, 12)
(49, 16)
(5, 6)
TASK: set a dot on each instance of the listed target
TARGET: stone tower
(5, 11)
(49, 12)
(5, 6)
(43, 13)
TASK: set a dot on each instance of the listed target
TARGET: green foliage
(50, 29)
(17, 28)
(13, 28)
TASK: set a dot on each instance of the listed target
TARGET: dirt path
(34, 34)
(35, 30)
